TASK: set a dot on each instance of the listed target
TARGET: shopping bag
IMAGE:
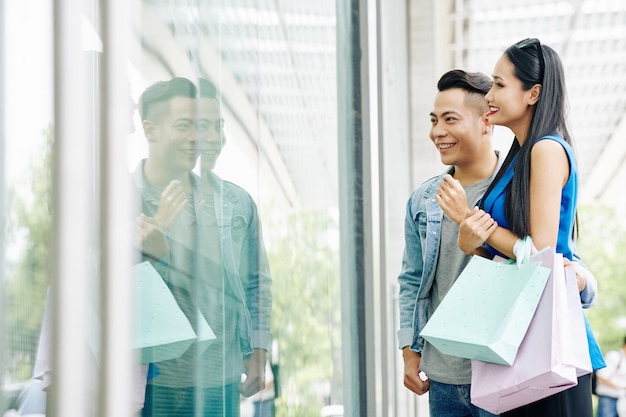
(161, 329)
(486, 312)
(204, 332)
(553, 353)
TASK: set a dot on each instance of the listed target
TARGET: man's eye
(203, 126)
(183, 126)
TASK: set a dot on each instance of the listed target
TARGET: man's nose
(212, 135)
(436, 131)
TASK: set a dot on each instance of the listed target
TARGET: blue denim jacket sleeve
(589, 293)
(253, 268)
(410, 277)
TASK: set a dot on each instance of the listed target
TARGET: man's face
(173, 139)
(210, 132)
(456, 128)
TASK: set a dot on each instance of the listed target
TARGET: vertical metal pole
(3, 210)
(351, 255)
(355, 205)
(115, 228)
(70, 390)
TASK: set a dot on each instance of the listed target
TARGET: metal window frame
(77, 225)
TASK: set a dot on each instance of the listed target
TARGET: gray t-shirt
(198, 282)
(451, 261)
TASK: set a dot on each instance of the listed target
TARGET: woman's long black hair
(534, 64)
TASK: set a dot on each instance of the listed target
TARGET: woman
(535, 191)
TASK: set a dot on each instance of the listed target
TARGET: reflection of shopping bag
(553, 353)
(204, 332)
(486, 313)
(162, 331)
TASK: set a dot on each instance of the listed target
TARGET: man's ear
(149, 128)
(486, 125)
(534, 94)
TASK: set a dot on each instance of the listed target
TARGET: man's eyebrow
(183, 119)
(445, 113)
(219, 119)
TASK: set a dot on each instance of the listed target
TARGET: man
(197, 260)
(233, 218)
(611, 382)
(432, 260)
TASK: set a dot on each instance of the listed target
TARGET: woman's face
(509, 104)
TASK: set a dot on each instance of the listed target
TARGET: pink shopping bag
(553, 352)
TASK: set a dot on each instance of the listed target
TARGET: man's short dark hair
(163, 91)
(207, 89)
(476, 84)
(473, 82)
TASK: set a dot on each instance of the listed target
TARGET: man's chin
(207, 166)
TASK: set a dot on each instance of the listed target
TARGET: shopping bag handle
(522, 249)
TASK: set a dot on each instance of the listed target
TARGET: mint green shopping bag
(161, 329)
(205, 334)
(487, 311)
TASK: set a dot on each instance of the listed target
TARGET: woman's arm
(549, 171)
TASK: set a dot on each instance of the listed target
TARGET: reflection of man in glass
(204, 240)
(234, 228)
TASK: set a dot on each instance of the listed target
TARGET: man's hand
(412, 380)
(475, 230)
(452, 199)
(255, 373)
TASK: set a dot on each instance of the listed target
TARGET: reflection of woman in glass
(535, 191)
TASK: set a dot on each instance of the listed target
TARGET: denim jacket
(245, 260)
(243, 255)
(422, 233)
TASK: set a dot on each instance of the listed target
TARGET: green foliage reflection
(602, 245)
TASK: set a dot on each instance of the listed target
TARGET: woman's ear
(535, 93)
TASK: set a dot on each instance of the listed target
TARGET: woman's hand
(475, 230)
(452, 199)
(151, 230)
(581, 276)
(171, 204)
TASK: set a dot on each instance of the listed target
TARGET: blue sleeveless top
(494, 205)
(494, 202)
